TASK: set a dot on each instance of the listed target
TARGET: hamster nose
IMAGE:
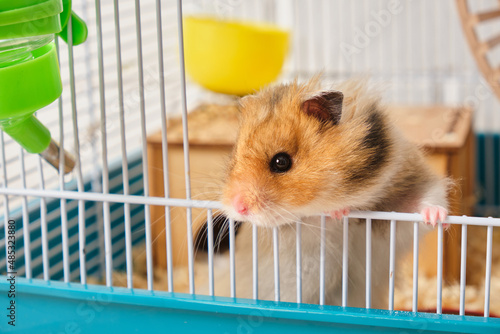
(239, 205)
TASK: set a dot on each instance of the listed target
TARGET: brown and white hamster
(302, 151)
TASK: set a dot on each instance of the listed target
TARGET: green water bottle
(29, 70)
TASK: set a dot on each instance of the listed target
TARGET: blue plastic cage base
(55, 307)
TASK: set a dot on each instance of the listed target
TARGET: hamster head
(302, 151)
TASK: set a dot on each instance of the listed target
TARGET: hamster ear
(326, 106)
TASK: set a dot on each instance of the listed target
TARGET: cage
(115, 244)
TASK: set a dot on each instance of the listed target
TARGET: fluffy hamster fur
(356, 159)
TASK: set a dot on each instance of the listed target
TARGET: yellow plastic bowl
(233, 57)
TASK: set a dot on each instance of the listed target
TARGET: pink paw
(338, 214)
(432, 214)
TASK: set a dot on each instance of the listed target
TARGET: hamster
(302, 151)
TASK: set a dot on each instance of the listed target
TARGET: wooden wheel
(481, 48)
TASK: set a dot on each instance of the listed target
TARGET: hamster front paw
(338, 214)
(433, 213)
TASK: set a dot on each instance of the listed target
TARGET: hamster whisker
(274, 210)
(279, 212)
(224, 231)
(207, 195)
(309, 225)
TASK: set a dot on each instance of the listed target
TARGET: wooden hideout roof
(435, 128)
(208, 124)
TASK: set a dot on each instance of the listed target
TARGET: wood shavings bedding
(403, 296)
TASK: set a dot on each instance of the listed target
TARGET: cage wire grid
(92, 182)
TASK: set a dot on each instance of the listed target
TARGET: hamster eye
(280, 163)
